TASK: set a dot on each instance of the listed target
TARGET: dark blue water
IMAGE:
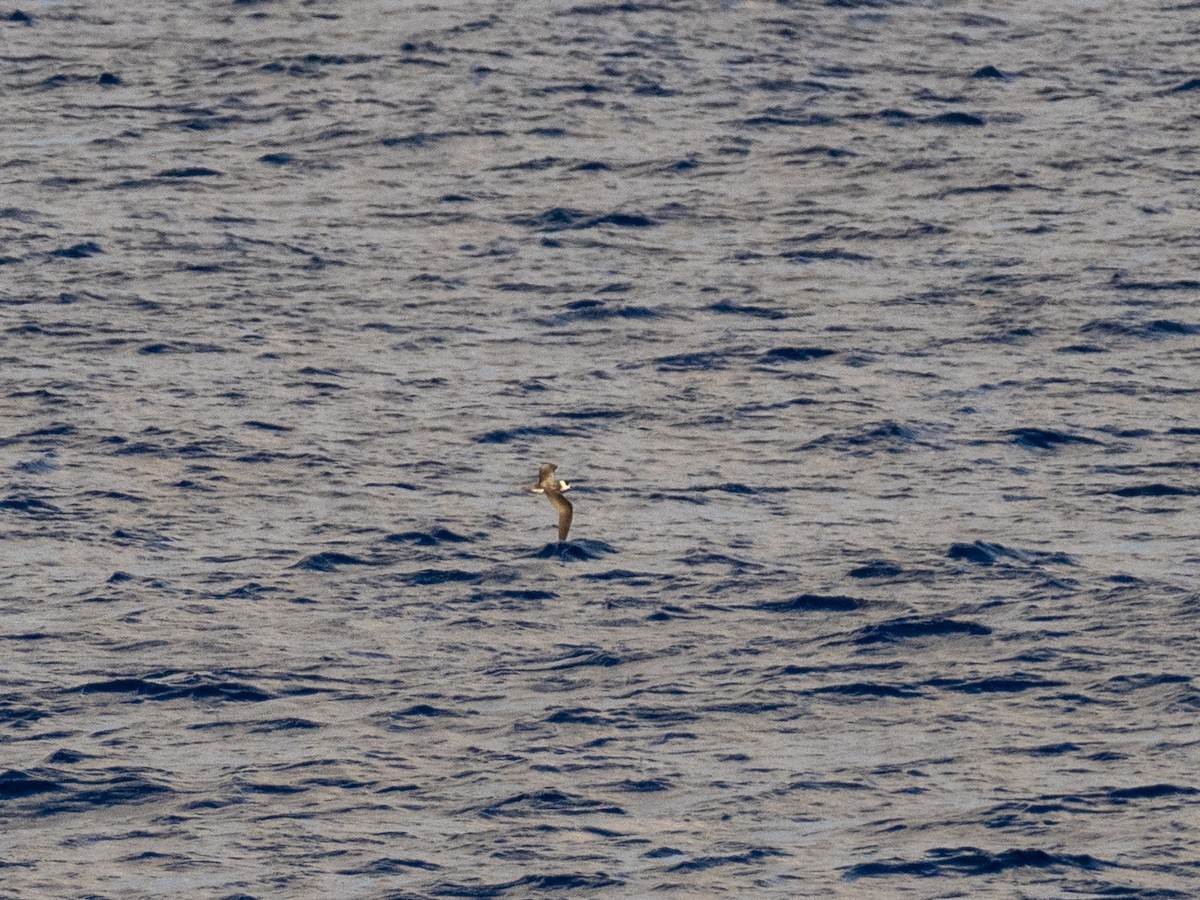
(866, 334)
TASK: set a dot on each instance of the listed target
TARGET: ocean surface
(865, 332)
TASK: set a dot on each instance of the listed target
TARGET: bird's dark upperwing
(565, 511)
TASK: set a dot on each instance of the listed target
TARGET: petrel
(553, 488)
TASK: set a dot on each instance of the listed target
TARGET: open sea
(865, 331)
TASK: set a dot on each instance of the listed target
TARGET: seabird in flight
(553, 488)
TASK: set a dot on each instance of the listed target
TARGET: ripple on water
(887, 467)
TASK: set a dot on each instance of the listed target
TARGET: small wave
(136, 686)
(662, 853)
(700, 863)
(619, 575)
(810, 603)
(667, 613)
(598, 311)
(561, 218)
(61, 430)
(330, 561)
(66, 757)
(426, 577)
(189, 172)
(981, 552)
(867, 689)
(1151, 792)
(819, 151)
(814, 254)
(752, 408)
(593, 413)
(644, 786)
(728, 307)
(876, 568)
(554, 884)
(525, 287)
(548, 800)
(826, 784)
(1011, 684)
(1121, 280)
(194, 688)
(730, 487)
(30, 506)
(417, 717)
(20, 716)
(1145, 330)
(59, 792)
(890, 437)
(251, 590)
(1044, 439)
(575, 551)
(913, 628)
(991, 72)
(271, 726)
(15, 784)
(696, 560)
(621, 6)
(796, 354)
(778, 119)
(390, 866)
(622, 220)
(77, 251)
(431, 538)
(708, 360)
(956, 119)
(1121, 684)
(1053, 749)
(505, 435)
(1153, 490)
(424, 710)
(1001, 187)
(579, 716)
(523, 596)
(582, 657)
(420, 139)
(748, 707)
(945, 861)
(121, 790)
(179, 347)
(987, 553)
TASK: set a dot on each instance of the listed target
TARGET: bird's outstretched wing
(565, 512)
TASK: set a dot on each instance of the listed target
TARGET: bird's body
(553, 488)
